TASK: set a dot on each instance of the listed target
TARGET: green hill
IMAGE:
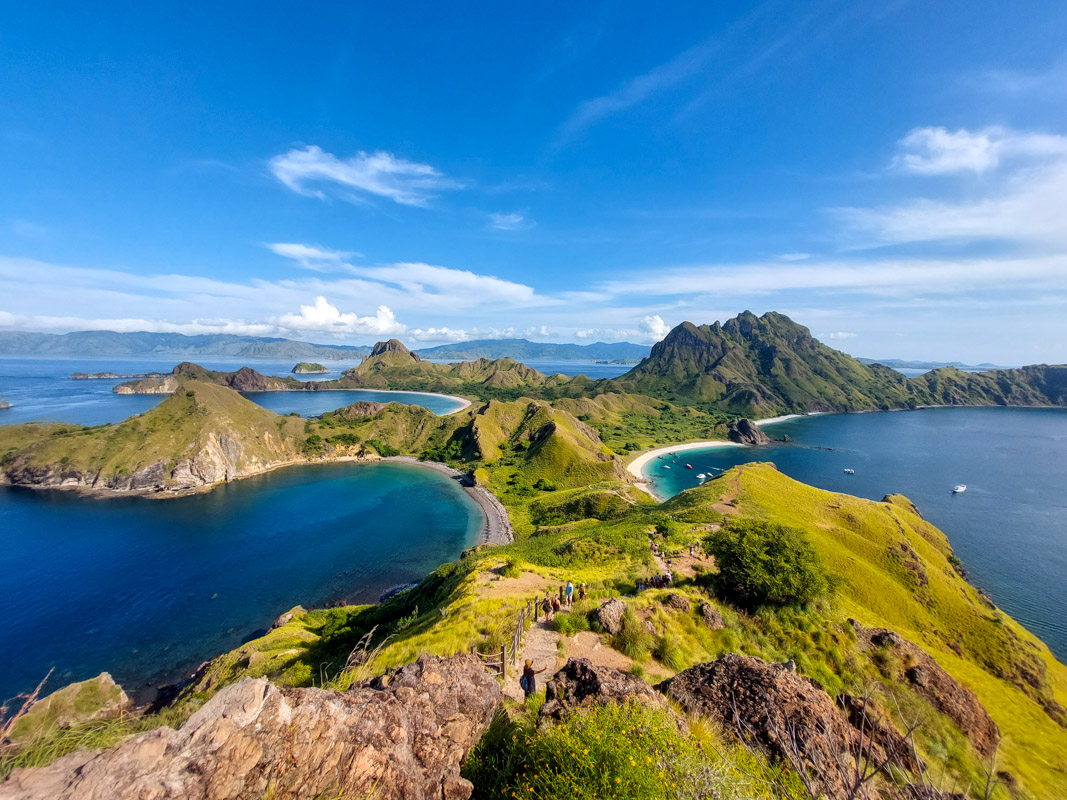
(765, 366)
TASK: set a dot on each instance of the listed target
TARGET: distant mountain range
(110, 343)
(523, 350)
(897, 363)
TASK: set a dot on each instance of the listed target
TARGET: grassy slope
(177, 428)
(858, 540)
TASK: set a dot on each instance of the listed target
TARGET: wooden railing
(509, 653)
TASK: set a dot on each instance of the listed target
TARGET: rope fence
(498, 661)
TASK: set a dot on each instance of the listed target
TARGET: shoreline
(465, 403)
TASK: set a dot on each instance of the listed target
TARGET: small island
(110, 376)
(309, 368)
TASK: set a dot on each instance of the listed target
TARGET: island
(804, 632)
(309, 368)
(110, 376)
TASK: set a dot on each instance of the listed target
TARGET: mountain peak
(392, 346)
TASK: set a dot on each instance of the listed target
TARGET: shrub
(627, 751)
(761, 563)
(634, 639)
(511, 568)
(569, 624)
(669, 652)
(544, 486)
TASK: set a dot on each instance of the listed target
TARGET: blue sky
(891, 174)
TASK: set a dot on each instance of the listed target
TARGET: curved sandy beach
(465, 403)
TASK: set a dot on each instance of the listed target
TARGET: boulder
(255, 740)
(85, 701)
(675, 600)
(766, 705)
(288, 616)
(712, 617)
(580, 684)
(609, 615)
(930, 681)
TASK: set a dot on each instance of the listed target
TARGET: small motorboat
(959, 488)
(849, 471)
(666, 466)
(702, 475)
(688, 466)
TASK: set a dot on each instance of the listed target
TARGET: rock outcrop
(677, 601)
(581, 684)
(930, 681)
(712, 617)
(84, 701)
(255, 740)
(745, 431)
(609, 615)
(791, 716)
(392, 346)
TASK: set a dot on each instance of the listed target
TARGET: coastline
(465, 403)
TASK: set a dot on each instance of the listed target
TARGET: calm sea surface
(40, 389)
(1009, 528)
(147, 589)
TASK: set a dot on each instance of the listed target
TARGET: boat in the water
(666, 466)
(688, 466)
(849, 471)
(702, 475)
(959, 488)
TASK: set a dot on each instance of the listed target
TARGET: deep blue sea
(147, 589)
(1009, 528)
(40, 389)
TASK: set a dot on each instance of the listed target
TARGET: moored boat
(959, 488)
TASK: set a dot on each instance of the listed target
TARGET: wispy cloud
(1046, 82)
(634, 91)
(314, 172)
(838, 335)
(938, 151)
(313, 257)
(512, 221)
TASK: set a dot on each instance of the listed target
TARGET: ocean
(146, 589)
(1009, 528)
(40, 389)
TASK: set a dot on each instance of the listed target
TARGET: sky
(891, 174)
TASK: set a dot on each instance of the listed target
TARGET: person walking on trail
(570, 593)
(581, 592)
(561, 594)
(546, 606)
(528, 683)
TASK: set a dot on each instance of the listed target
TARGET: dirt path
(539, 645)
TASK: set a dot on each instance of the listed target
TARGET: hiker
(546, 606)
(528, 683)
(690, 549)
(581, 592)
(570, 593)
(561, 595)
(556, 605)
(640, 585)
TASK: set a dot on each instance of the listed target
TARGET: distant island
(524, 350)
(111, 376)
(896, 363)
(309, 368)
(142, 343)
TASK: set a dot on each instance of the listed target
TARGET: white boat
(665, 466)
(849, 471)
(702, 475)
(959, 488)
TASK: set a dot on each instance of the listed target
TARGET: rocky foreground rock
(581, 684)
(256, 740)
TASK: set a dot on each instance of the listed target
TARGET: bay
(147, 589)
(1009, 528)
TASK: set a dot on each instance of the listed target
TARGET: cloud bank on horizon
(566, 196)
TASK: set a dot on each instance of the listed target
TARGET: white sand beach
(465, 402)
(636, 466)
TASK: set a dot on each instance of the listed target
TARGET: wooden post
(503, 660)
(474, 650)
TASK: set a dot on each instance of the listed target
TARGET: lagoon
(1009, 528)
(147, 588)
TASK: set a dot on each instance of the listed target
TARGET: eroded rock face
(254, 739)
(675, 600)
(932, 682)
(580, 684)
(609, 615)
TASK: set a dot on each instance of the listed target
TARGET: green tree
(762, 563)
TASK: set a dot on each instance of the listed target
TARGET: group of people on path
(553, 602)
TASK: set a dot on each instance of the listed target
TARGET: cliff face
(255, 740)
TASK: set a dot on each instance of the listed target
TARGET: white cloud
(794, 256)
(838, 335)
(439, 335)
(463, 286)
(313, 257)
(938, 151)
(378, 173)
(325, 317)
(509, 222)
(654, 327)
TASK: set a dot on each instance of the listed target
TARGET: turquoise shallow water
(147, 589)
(1009, 528)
